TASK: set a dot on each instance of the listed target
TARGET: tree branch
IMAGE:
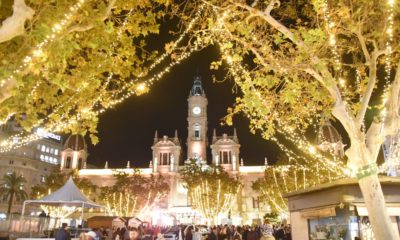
(361, 39)
(14, 25)
(323, 75)
(87, 27)
(382, 128)
(370, 86)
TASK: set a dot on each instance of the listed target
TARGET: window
(11, 162)
(56, 151)
(41, 157)
(164, 158)
(225, 157)
(80, 162)
(256, 203)
(51, 150)
(47, 149)
(38, 147)
(68, 162)
(43, 148)
(42, 179)
(46, 158)
(197, 133)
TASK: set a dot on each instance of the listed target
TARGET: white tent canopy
(67, 195)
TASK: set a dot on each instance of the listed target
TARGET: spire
(197, 88)
(266, 161)
(106, 165)
(241, 162)
(128, 164)
(151, 164)
(176, 134)
(235, 138)
(155, 137)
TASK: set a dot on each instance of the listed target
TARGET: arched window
(196, 133)
(68, 163)
(165, 158)
(225, 156)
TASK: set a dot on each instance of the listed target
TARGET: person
(213, 234)
(42, 214)
(108, 233)
(117, 234)
(237, 234)
(280, 233)
(124, 234)
(189, 234)
(134, 234)
(91, 235)
(160, 236)
(42, 220)
(288, 234)
(62, 233)
(99, 234)
(252, 234)
(267, 231)
(197, 234)
(83, 236)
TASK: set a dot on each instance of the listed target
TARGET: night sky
(127, 131)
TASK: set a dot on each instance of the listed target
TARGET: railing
(17, 226)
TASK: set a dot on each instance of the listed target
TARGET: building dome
(75, 142)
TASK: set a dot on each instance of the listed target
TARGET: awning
(392, 209)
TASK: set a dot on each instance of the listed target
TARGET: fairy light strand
(38, 50)
(9, 144)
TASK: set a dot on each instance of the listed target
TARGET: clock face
(196, 110)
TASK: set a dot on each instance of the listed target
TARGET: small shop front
(336, 210)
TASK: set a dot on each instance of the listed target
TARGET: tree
(12, 188)
(298, 63)
(133, 195)
(64, 62)
(284, 177)
(211, 190)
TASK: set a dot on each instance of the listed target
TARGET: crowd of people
(265, 231)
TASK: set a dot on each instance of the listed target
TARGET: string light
(330, 25)
(38, 51)
(9, 144)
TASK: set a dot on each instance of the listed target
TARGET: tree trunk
(374, 200)
(10, 202)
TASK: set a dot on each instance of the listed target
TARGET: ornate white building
(167, 160)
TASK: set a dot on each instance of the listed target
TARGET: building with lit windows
(167, 160)
(34, 161)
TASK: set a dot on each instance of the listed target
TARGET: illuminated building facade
(34, 161)
(167, 160)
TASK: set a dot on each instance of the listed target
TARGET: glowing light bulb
(229, 60)
(312, 150)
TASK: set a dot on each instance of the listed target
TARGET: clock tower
(197, 121)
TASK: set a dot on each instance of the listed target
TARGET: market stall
(336, 210)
